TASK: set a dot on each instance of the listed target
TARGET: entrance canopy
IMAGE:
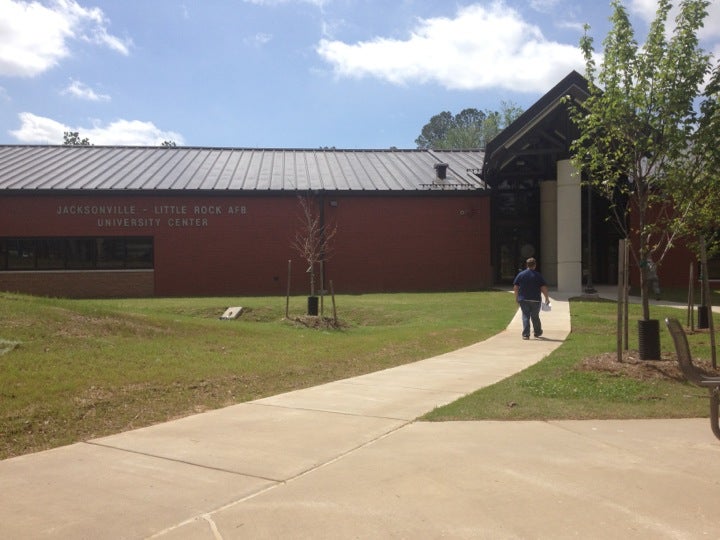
(533, 144)
(536, 192)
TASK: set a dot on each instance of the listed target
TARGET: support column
(548, 232)
(569, 228)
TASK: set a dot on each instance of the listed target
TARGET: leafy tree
(72, 138)
(639, 129)
(702, 162)
(435, 130)
(470, 128)
(169, 144)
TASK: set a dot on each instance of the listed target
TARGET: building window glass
(139, 252)
(20, 254)
(50, 253)
(80, 253)
(76, 253)
(110, 252)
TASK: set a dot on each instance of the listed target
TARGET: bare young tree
(313, 237)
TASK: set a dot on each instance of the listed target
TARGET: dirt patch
(81, 326)
(632, 366)
(321, 323)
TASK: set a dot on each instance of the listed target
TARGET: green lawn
(77, 369)
(557, 388)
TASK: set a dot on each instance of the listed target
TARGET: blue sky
(283, 73)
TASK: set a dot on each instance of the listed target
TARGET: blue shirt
(529, 284)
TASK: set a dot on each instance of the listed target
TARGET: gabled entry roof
(538, 138)
(98, 168)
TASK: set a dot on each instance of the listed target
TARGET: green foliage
(640, 128)
(72, 138)
(470, 128)
(703, 163)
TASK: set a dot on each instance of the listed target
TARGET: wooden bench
(693, 374)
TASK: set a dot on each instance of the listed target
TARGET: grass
(78, 369)
(72, 370)
(557, 388)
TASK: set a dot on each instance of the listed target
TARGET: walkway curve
(347, 460)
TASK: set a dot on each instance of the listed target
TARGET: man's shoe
(526, 337)
(538, 335)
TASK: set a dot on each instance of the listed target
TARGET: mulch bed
(632, 366)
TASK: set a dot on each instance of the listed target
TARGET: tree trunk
(312, 280)
(644, 289)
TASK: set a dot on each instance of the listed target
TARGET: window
(76, 253)
(50, 254)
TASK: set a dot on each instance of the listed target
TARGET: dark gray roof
(534, 142)
(124, 168)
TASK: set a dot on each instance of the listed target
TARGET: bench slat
(693, 374)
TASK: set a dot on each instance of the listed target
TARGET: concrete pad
(499, 480)
(273, 443)
(412, 390)
(87, 491)
(387, 401)
(683, 444)
(343, 460)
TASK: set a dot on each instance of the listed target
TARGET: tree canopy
(72, 138)
(470, 128)
(644, 143)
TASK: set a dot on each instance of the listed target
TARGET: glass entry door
(514, 245)
(515, 226)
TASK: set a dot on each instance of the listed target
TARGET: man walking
(528, 287)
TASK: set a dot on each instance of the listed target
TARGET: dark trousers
(531, 313)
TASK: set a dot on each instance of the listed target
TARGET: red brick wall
(230, 245)
(79, 284)
(674, 270)
(411, 244)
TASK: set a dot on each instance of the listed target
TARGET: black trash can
(649, 339)
(703, 321)
(313, 305)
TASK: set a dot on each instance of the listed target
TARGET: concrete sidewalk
(346, 460)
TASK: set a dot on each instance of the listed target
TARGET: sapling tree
(639, 127)
(702, 161)
(313, 238)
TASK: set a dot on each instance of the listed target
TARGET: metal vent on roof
(441, 171)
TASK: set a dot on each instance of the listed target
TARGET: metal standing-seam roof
(125, 168)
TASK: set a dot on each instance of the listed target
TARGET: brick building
(128, 221)
(124, 221)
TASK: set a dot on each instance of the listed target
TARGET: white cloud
(99, 36)
(130, 132)
(543, 6)
(579, 27)
(82, 91)
(481, 47)
(647, 9)
(258, 40)
(34, 37)
(319, 3)
(711, 29)
(36, 129)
